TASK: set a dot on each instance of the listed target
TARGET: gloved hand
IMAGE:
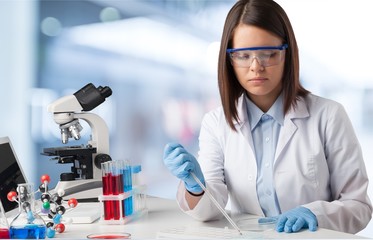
(181, 163)
(293, 220)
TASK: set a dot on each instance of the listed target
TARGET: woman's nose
(256, 65)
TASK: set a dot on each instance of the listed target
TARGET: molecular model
(51, 205)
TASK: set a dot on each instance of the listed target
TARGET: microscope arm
(100, 131)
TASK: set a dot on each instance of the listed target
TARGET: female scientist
(273, 148)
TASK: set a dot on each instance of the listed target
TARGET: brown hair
(268, 15)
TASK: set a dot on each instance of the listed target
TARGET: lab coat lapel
(289, 128)
(243, 125)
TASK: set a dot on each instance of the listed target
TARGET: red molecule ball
(60, 228)
(72, 202)
(12, 196)
(45, 178)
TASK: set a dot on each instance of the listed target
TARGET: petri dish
(109, 236)
(251, 224)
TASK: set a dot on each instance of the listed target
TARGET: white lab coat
(318, 164)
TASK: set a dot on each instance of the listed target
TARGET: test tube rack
(138, 194)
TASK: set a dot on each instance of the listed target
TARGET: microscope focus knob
(67, 177)
(101, 158)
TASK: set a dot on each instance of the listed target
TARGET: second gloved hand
(180, 163)
(293, 220)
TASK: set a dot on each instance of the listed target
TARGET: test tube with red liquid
(122, 174)
(107, 189)
(4, 226)
(117, 185)
(112, 184)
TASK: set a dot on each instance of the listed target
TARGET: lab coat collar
(243, 124)
(241, 111)
(300, 110)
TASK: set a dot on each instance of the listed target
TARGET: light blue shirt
(265, 129)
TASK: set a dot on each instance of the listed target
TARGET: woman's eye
(242, 56)
(269, 54)
(273, 54)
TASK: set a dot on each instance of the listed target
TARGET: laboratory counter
(164, 216)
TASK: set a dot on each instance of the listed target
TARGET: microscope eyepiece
(90, 97)
(105, 91)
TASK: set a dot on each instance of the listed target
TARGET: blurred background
(159, 57)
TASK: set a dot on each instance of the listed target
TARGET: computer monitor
(11, 173)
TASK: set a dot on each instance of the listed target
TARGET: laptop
(11, 173)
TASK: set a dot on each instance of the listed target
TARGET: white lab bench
(164, 214)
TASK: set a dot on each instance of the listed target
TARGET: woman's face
(262, 84)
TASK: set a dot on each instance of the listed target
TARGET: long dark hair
(270, 16)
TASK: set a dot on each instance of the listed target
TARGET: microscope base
(86, 190)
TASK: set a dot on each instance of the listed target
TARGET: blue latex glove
(181, 163)
(293, 220)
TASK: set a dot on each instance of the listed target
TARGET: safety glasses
(266, 56)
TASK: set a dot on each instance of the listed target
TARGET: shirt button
(266, 164)
(267, 139)
(250, 177)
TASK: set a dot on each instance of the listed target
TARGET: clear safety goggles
(266, 56)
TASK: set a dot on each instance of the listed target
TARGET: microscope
(84, 181)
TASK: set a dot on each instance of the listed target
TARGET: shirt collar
(254, 113)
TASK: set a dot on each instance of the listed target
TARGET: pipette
(216, 203)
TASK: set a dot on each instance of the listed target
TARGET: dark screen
(10, 175)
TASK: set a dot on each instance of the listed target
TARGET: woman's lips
(257, 79)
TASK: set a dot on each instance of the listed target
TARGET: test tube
(123, 174)
(107, 189)
(117, 184)
(137, 200)
(127, 186)
(4, 226)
